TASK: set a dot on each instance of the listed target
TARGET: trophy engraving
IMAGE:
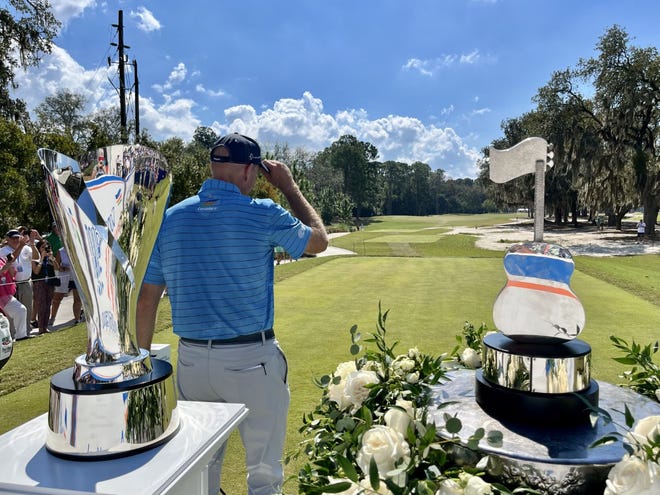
(115, 400)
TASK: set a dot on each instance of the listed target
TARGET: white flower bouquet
(369, 434)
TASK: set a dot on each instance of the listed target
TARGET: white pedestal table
(179, 466)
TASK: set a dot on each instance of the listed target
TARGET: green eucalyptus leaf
(453, 425)
(495, 438)
(604, 441)
(339, 487)
(374, 479)
(630, 419)
(348, 468)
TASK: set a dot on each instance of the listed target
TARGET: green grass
(639, 275)
(430, 293)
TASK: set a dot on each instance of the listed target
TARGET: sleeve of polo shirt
(154, 273)
(289, 232)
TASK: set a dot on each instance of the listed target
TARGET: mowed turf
(429, 295)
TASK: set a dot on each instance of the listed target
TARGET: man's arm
(280, 176)
(147, 308)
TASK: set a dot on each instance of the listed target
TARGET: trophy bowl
(115, 400)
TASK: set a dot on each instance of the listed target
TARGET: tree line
(601, 116)
(603, 119)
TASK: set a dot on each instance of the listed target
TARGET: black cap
(236, 148)
(13, 233)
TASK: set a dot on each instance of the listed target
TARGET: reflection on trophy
(116, 400)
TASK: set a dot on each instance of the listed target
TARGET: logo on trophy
(115, 400)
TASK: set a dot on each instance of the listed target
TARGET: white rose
(630, 476)
(352, 490)
(386, 446)
(356, 390)
(412, 378)
(336, 394)
(402, 365)
(471, 358)
(646, 430)
(336, 390)
(345, 369)
(373, 366)
(397, 420)
(449, 487)
(648, 427)
(413, 353)
(476, 486)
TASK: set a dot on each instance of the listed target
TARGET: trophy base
(533, 408)
(110, 420)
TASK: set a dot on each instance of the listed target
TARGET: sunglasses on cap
(222, 154)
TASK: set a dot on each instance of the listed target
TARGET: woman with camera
(43, 283)
(11, 306)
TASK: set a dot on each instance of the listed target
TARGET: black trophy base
(89, 422)
(508, 404)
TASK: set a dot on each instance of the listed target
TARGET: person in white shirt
(20, 243)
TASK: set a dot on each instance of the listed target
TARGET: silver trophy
(116, 400)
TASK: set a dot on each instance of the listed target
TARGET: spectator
(29, 253)
(53, 238)
(67, 285)
(43, 283)
(641, 229)
(11, 306)
(221, 295)
(20, 243)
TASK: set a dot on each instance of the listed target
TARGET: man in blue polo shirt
(214, 253)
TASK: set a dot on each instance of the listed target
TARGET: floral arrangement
(372, 432)
(638, 473)
(644, 376)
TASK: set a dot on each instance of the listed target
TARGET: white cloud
(481, 111)
(302, 122)
(418, 65)
(430, 67)
(215, 94)
(173, 118)
(297, 121)
(471, 58)
(58, 70)
(65, 10)
(146, 20)
(177, 75)
(447, 110)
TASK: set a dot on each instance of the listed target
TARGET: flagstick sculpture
(531, 155)
(535, 370)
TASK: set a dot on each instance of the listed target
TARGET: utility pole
(137, 102)
(122, 83)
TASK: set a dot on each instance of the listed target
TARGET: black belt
(241, 339)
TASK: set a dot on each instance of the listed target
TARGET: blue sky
(422, 80)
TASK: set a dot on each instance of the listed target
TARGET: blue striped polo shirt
(214, 252)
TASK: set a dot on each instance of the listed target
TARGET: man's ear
(246, 172)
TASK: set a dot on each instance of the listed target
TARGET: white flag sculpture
(528, 156)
